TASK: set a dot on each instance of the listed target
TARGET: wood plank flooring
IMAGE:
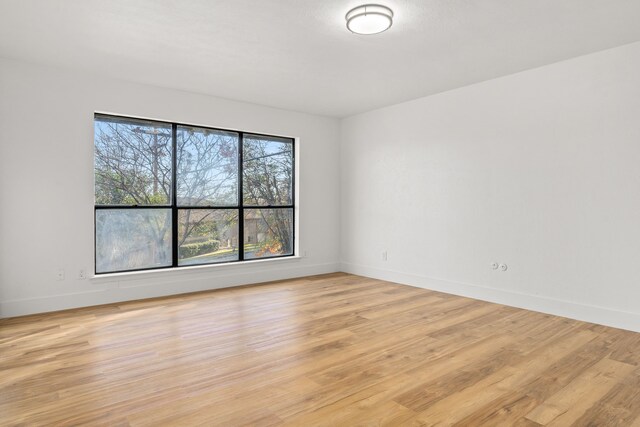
(330, 350)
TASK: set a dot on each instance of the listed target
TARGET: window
(172, 195)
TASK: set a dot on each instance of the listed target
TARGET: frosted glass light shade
(369, 19)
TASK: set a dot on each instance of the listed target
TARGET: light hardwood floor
(335, 350)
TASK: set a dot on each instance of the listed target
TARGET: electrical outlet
(60, 274)
(82, 274)
(384, 255)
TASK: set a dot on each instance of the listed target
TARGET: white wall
(539, 170)
(46, 187)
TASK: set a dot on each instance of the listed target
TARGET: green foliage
(194, 249)
(204, 228)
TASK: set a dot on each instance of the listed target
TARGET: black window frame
(175, 208)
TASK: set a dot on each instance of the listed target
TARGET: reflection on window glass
(268, 232)
(207, 167)
(132, 162)
(132, 239)
(267, 171)
(207, 236)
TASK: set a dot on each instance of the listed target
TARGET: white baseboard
(115, 290)
(119, 290)
(587, 313)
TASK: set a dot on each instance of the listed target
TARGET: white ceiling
(298, 54)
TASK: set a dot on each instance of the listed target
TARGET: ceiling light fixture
(369, 19)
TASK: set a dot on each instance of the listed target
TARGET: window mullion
(174, 195)
(241, 198)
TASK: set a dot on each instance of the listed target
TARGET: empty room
(320, 213)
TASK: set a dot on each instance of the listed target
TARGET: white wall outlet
(503, 267)
(82, 274)
(384, 255)
(494, 265)
(60, 274)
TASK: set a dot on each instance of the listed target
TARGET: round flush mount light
(369, 19)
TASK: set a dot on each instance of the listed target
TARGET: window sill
(164, 272)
